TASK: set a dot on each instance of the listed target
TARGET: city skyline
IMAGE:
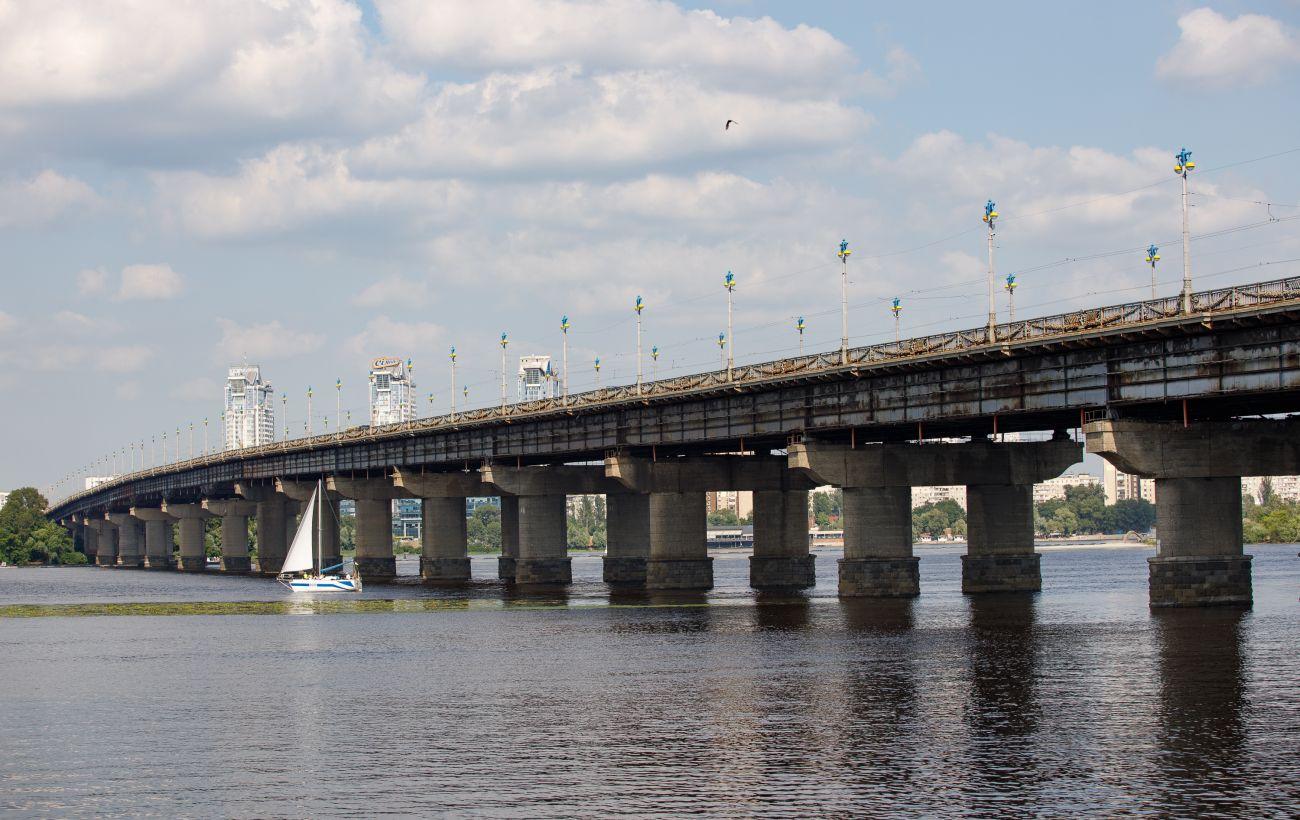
(123, 234)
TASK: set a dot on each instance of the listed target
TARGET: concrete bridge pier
(444, 529)
(1197, 467)
(627, 528)
(272, 525)
(130, 540)
(374, 501)
(543, 541)
(781, 558)
(157, 537)
(106, 541)
(234, 533)
(299, 493)
(1000, 553)
(878, 560)
(89, 537)
(506, 564)
(193, 555)
(679, 549)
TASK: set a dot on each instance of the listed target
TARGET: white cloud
(92, 281)
(123, 359)
(149, 282)
(200, 389)
(263, 341)
(1219, 52)
(71, 322)
(383, 336)
(7, 322)
(42, 199)
(395, 290)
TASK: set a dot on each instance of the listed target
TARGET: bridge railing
(1027, 331)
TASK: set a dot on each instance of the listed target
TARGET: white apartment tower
(392, 393)
(250, 408)
(536, 380)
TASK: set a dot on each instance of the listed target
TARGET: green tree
(1133, 515)
(723, 518)
(484, 528)
(27, 535)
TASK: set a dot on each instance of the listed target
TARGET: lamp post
(504, 342)
(164, 446)
(284, 409)
(722, 350)
(1011, 297)
(1153, 256)
(409, 409)
(452, 356)
(178, 445)
(564, 347)
(990, 217)
(309, 410)
(205, 434)
(799, 326)
(896, 309)
(191, 439)
(844, 300)
(338, 406)
(430, 405)
(596, 364)
(224, 443)
(638, 307)
(1184, 165)
(729, 282)
(654, 363)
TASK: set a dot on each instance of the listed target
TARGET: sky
(309, 184)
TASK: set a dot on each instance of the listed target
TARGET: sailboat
(302, 571)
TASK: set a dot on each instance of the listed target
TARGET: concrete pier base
(192, 563)
(544, 571)
(236, 564)
(679, 573)
(106, 560)
(444, 570)
(1200, 580)
(880, 577)
(1001, 573)
(377, 570)
(509, 538)
(157, 562)
(772, 572)
(623, 570)
(506, 568)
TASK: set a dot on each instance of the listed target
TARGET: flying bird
(727, 127)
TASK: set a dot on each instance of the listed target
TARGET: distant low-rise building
(93, 481)
(933, 495)
(1124, 487)
(1056, 487)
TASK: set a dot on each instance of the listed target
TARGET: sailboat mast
(320, 522)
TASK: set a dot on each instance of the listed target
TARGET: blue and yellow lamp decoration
(990, 213)
(1184, 162)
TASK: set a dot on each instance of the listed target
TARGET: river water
(136, 693)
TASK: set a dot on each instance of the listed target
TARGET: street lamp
(799, 326)
(1153, 256)
(1184, 165)
(990, 217)
(638, 307)
(596, 364)
(284, 408)
(896, 309)
(654, 363)
(504, 342)
(722, 349)
(564, 344)
(205, 435)
(309, 410)
(430, 405)
(338, 406)
(729, 282)
(1011, 297)
(452, 356)
(844, 300)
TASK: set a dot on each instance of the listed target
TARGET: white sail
(300, 557)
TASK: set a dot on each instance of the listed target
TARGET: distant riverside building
(1055, 487)
(1124, 487)
(536, 379)
(392, 391)
(93, 481)
(250, 408)
(1285, 487)
(740, 502)
(933, 495)
(4, 496)
(407, 517)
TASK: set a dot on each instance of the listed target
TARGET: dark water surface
(218, 696)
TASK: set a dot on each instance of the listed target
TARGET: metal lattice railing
(1024, 332)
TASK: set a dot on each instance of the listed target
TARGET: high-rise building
(250, 408)
(392, 392)
(536, 379)
(1122, 486)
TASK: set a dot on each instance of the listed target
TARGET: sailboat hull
(323, 584)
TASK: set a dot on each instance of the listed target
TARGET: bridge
(1185, 393)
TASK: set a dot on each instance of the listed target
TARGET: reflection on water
(591, 701)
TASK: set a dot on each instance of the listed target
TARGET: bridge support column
(1197, 467)
(299, 493)
(106, 542)
(374, 499)
(509, 538)
(273, 531)
(627, 528)
(89, 537)
(130, 540)
(781, 558)
(193, 555)
(543, 541)
(1000, 553)
(444, 540)
(234, 533)
(679, 552)
(158, 546)
(878, 560)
